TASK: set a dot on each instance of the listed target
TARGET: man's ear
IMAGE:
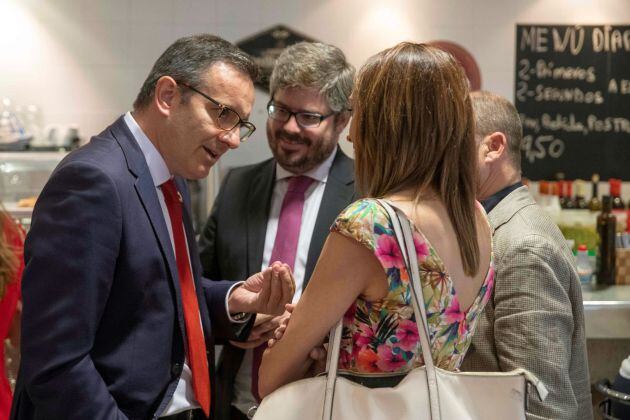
(166, 94)
(496, 146)
(341, 121)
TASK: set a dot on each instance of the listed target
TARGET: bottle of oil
(606, 225)
(565, 198)
(594, 204)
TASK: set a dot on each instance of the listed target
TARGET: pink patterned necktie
(284, 246)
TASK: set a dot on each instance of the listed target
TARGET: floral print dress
(381, 337)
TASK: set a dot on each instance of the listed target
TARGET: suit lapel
(338, 193)
(258, 205)
(148, 196)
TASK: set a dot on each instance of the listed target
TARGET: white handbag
(427, 392)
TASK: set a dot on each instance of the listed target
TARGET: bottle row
(562, 192)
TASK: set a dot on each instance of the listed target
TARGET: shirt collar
(318, 173)
(157, 167)
(491, 202)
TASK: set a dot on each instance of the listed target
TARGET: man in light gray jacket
(535, 319)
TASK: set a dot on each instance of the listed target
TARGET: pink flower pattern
(422, 248)
(388, 252)
(364, 336)
(388, 359)
(454, 315)
(383, 336)
(407, 335)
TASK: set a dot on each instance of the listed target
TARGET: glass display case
(22, 177)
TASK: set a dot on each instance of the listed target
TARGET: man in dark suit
(309, 108)
(117, 321)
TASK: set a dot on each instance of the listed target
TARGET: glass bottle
(580, 190)
(583, 265)
(606, 228)
(594, 204)
(615, 192)
(562, 193)
(560, 189)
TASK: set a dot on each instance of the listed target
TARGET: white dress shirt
(184, 397)
(243, 398)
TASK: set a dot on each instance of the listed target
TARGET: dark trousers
(235, 414)
(196, 414)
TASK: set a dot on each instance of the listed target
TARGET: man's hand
(317, 356)
(266, 292)
(264, 328)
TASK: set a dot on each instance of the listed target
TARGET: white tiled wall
(82, 61)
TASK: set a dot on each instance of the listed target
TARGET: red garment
(14, 236)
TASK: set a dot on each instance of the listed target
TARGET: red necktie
(284, 246)
(196, 345)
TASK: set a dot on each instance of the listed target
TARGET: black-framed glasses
(303, 119)
(227, 118)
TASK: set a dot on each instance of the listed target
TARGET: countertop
(607, 311)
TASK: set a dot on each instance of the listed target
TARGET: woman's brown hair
(413, 128)
(9, 261)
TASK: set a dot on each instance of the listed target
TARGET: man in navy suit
(117, 321)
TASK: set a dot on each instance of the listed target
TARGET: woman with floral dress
(413, 136)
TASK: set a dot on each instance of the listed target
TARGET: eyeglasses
(303, 119)
(227, 119)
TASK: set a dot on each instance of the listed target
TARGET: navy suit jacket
(103, 327)
(233, 240)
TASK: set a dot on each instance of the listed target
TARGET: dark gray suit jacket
(535, 319)
(232, 242)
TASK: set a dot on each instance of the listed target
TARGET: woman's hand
(264, 329)
(317, 356)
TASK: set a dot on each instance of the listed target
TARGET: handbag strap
(332, 365)
(404, 237)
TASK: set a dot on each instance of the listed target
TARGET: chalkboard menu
(572, 92)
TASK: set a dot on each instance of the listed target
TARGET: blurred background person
(11, 267)
(535, 319)
(282, 208)
(413, 135)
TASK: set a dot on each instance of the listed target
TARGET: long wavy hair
(9, 261)
(413, 128)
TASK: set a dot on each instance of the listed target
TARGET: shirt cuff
(240, 317)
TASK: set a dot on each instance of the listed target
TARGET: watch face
(465, 58)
